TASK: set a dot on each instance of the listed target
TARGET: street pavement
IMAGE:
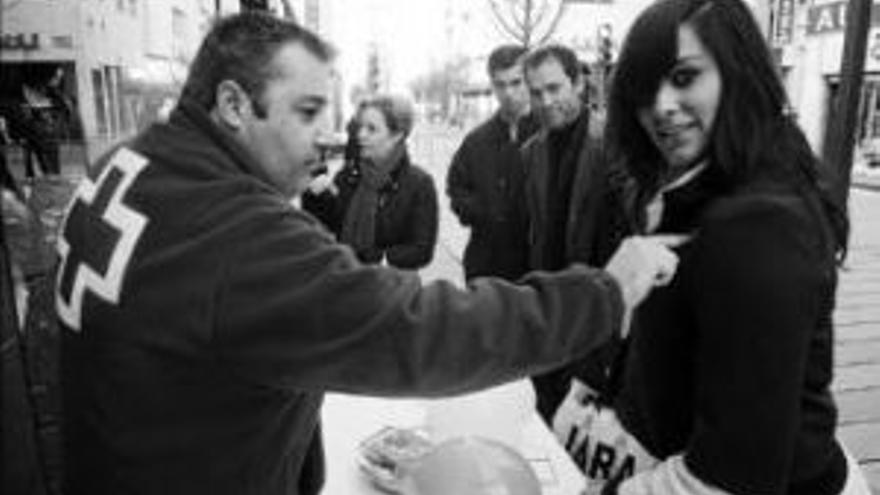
(857, 351)
(432, 147)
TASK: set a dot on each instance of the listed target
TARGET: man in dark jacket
(205, 316)
(485, 180)
(571, 209)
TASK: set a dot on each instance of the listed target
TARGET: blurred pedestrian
(485, 182)
(41, 121)
(7, 180)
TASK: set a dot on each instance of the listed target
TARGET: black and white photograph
(440, 247)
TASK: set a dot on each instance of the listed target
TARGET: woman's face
(681, 118)
(374, 137)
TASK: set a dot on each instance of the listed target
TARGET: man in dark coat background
(573, 214)
(485, 179)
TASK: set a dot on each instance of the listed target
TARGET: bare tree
(528, 22)
(440, 86)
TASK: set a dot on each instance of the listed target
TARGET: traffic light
(247, 5)
(374, 71)
(605, 51)
(606, 45)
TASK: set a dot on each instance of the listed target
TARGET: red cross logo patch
(99, 235)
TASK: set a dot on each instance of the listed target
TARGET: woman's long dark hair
(754, 133)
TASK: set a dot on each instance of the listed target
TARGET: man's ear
(231, 105)
(580, 84)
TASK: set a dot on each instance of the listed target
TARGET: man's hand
(323, 183)
(643, 262)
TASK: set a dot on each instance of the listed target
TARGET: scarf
(359, 224)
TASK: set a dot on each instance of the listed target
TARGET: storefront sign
(20, 41)
(874, 48)
(784, 22)
(63, 41)
(831, 17)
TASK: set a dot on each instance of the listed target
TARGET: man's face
(555, 97)
(510, 91)
(284, 141)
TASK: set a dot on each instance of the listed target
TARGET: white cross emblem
(99, 204)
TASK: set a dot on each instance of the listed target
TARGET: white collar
(684, 178)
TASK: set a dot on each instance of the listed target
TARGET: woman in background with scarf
(380, 203)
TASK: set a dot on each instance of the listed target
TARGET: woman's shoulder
(419, 174)
(753, 202)
(766, 215)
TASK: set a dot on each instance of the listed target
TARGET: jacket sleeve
(296, 310)
(670, 476)
(757, 299)
(423, 227)
(461, 187)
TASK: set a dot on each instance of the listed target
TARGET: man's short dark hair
(564, 55)
(240, 48)
(504, 57)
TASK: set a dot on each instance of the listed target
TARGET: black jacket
(731, 364)
(592, 224)
(407, 220)
(485, 188)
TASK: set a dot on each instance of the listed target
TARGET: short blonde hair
(397, 110)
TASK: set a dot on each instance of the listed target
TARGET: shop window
(111, 87)
(868, 131)
(100, 106)
(871, 110)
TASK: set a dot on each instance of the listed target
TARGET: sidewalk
(857, 322)
(864, 178)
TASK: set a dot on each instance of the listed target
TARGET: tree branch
(528, 26)
(503, 24)
(554, 23)
(518, 17)
(540, 13)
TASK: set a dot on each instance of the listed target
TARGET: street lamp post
(605, 44)
(840, 135)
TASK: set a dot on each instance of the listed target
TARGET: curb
(866, 184)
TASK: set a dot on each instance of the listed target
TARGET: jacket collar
(527, 126)
(192, 133)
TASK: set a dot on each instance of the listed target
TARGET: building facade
(123, 61)
(808, 37)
